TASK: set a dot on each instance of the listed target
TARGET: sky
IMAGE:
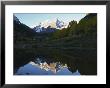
(33, 19)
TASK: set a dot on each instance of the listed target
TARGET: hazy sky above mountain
(33, 19)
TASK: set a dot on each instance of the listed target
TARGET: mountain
(22, 31)
(39, 28)
(50, 25)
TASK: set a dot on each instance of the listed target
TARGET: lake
(51, 61)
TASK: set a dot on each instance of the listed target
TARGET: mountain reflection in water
(42, 67)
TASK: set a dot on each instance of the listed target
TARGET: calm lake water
(55, 62)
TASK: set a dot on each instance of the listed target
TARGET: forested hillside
(82, 34)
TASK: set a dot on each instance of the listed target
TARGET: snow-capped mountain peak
(54, 23)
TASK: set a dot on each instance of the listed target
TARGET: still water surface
(46, 61)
